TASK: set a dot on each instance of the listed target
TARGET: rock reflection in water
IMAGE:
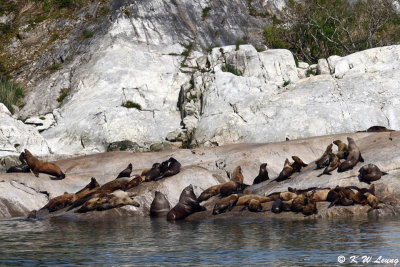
(155, 241)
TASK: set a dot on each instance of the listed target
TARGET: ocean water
(156, 242)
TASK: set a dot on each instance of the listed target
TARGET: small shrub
(230, 68)
(310, 72)
(286, 83)
(55, 67)
(130, 104)
(240, 42)
(63, 95)
(205, 12)
(189, 48)
(127, 12)
(42, 118)
(87, 34)
(10, 93)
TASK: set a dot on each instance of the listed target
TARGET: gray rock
(323, 67)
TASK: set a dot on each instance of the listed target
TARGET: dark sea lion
(237, 175)
(334, 163)
(243, 200)
(286, 171)
(343, 149)
(209, 192)
(277, 206)
(231, 187)
(188, 204)
(153, 173)
(310, 208)
(323, 161)
(341, 196)
(118, 199)
(298, 203)
(126, 172)
(94, 202)
(286, 205)
(169, 168)
(370, 173)
(254, 205)
(23, 167)
(353, 158)
(378, 129)
(226, 203)
(160, 205)
(297, 164)
(38, 166)
(262, 174)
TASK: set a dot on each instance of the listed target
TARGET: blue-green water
(145, 242)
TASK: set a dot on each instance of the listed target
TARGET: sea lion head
(160, 205)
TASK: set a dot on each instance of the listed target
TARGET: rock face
(205, 167)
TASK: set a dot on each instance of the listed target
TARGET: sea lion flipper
(231, 205)
(319, 175)
(361, 159)
(36, 174)
(331, 205)
(384, 173)
(158, 178)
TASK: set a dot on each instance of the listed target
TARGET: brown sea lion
(126, 172)
(154, 172)
(23, 167)
(334, 162)
(209, 192)
(343, 149)
(323, 161)
(237, 175)
(298, 203)
(118, 199)
(274, 195)
(370, 173)
(160, 205)
(38, 166)
(226, 203)
(286, 196)
(310, 208)
(231, 187)
(262, 174)
(135, 181)
(243, 200)
(169, 168)
(320, 195)
(297, 164)
(353, 158)
(286, 171)
(377, 129)
(340, 196)
(254, 205)
(372, 200)
(187, 205)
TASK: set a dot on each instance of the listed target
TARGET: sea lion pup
(310, 207)
(153, 173)
(126, 172)
(286, 196)
(243, 200)
(372, 200)
(209, 192)
(187, 205)
(277, 206)
(370, 173)
(286, 171)
(237, 175)
(297, 164)
(23, 167)
(118, 199)
(298, 203)
(262, 174)
(160, 205)
(231, 187)
(67, 199)
(334, 162)
(38, 166)
(353, 158)
(226, 203)
(169, 168)
(343, 149)
(323, 161)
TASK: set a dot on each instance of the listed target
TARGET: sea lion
(209, 192)
(23, 167)
(38, 166)
(118, 199)
(231, 187)
(160, 205)
(187, 205)
(136, 180)
(372, 200)
(310, 208)
(297, 164)
(334, 162)
(343, 149)
(377, 128)
(226, 203)
(320, 195)
(274, 195)
(286, 171)
(286, 205)
(153, 173)
(237, 175)
(169, 168)
(254, 205)
(126, 172)
(370, 173)
(243, 200)
(262, 174)
(277, 206)
(353, 158)
(286, 196)
(323, 161)
(298, 203)
(340, 196)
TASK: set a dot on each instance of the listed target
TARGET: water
(145, 242)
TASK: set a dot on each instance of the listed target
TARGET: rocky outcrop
(205, 167)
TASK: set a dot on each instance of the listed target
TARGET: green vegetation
(10, 93)
(230, 68)
(47, 4)
(130, 104)
(42, 118)
(87, 34)
(286, 83)
(205, 12)
(55, 67)
(189, 48)
(310, 72)
(127, 12)
(63, 95)
(319, 28)
(240, 42)
(253, 12)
